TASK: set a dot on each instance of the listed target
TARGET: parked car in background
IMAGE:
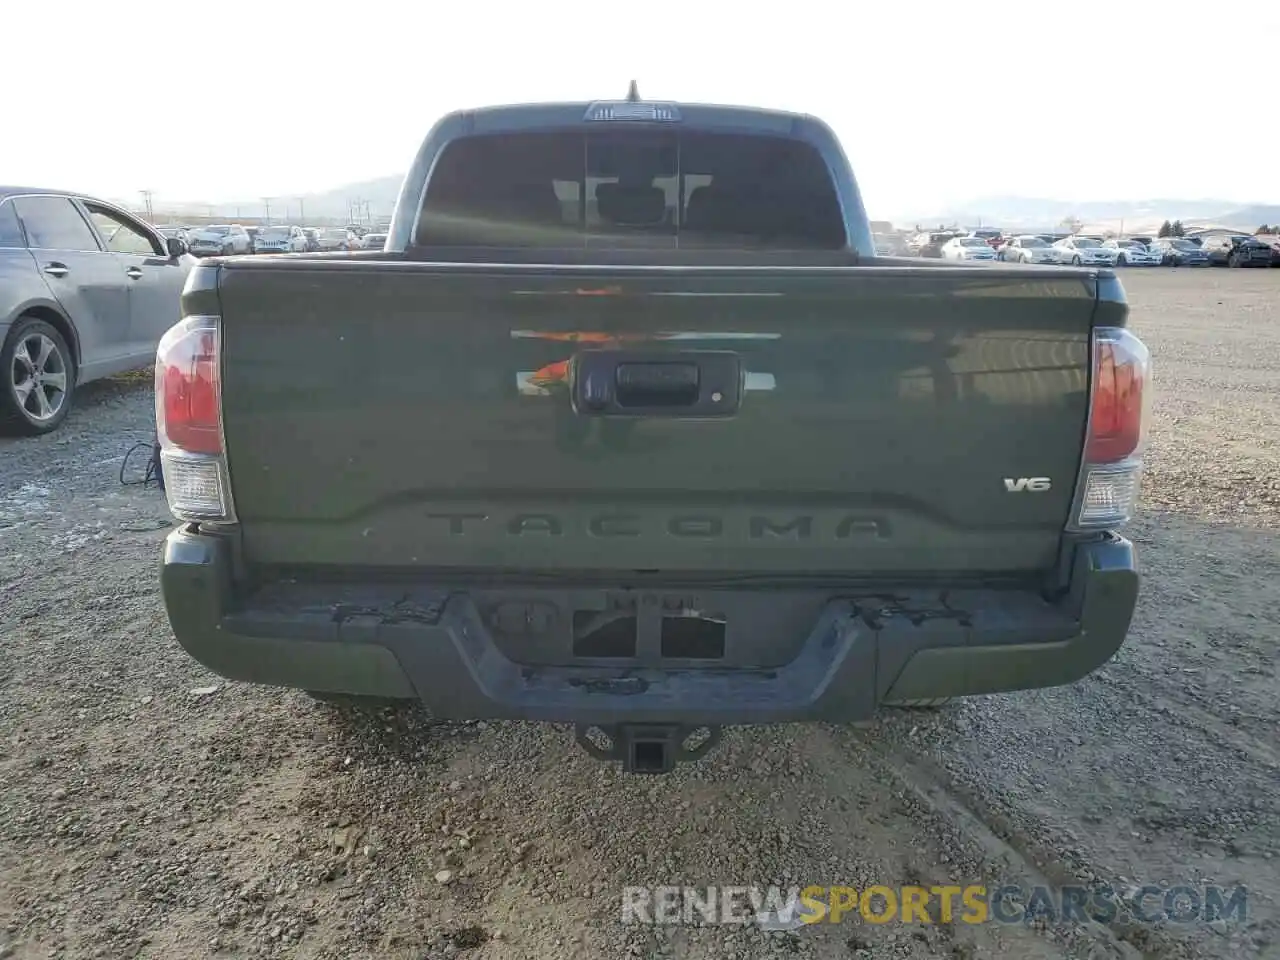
(1239, 250)
(886, 245)
(86, 291)
(967, 248)
(223, 239)
(1132, 253)
(1028, 248)
(280, 239)
(373, 241)
(1177, 252)
(179, 233)
(989, 235)
(336, 238)
(929, 244)
(1085, 251)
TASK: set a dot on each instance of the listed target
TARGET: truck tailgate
(891, 421)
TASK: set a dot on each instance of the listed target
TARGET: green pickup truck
(628, 427)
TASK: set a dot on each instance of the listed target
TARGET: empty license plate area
(713, 629)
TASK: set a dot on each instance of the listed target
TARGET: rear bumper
(859, 652)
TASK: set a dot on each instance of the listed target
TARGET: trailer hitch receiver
(647, 747)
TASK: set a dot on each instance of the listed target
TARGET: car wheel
(1075, 261)
(1122, 261)
(39, 377)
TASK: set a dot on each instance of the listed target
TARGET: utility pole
(266, 205)
(302, 210)
(146, 204)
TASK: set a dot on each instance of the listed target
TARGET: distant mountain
(1032, 213)
(381, 195)
(337, 204)
(1039, 212)
(1253, 216)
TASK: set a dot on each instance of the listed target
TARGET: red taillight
(188, 403)
(1120, 374)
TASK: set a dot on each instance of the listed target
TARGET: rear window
(631, 188)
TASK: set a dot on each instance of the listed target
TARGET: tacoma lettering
(702, 527)
(801, 528)
(534, 523)
(684, 526)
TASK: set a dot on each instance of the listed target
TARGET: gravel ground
(149, 810)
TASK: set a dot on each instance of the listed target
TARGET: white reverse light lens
(1110, 495)
(195, 487)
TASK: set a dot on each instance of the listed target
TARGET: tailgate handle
(657, 384)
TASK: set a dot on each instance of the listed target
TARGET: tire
(350, 701)
(1122, 261)
(933, 703)
(20, 413)
(1075, 261)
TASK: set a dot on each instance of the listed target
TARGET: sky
(935, 102)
